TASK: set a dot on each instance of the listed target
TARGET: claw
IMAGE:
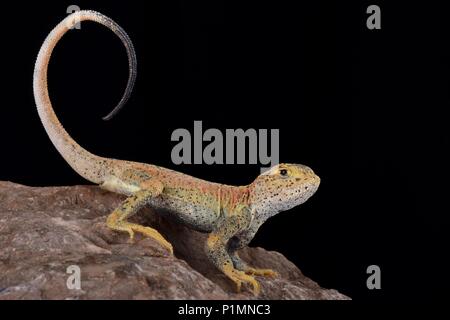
(238, 285)
(131, 239)
(256, 288)
(169, 248)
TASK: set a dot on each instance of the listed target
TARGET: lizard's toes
(169, 247)
(240, 277)
(238, 285)
(155, 235)
(131, 233)
(256, 288)
(262, 272)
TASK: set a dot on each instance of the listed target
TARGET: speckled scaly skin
(230, 214)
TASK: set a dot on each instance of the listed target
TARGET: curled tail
(88, 165)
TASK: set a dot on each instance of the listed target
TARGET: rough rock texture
(43, 231)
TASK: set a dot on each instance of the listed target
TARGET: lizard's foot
(262, 272)
(132, 227)
(117, 219)
(152, 233)
(239, 277)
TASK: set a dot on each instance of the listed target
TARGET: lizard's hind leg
(117, 220)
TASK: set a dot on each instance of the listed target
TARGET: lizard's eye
(283, 172)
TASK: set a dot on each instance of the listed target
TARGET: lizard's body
(230, 214)
(195, 202)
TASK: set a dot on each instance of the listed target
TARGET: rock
(43, 231)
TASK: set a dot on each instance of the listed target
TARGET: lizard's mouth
(309, 188)
(312, 181)
(316, 183)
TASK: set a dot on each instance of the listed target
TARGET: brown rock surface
(45, 230)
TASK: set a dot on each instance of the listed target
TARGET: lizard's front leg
(240, 242)
(117, 220)
(216, 250)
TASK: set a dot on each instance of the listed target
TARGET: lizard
(230, 215)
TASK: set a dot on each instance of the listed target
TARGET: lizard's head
(283, 187)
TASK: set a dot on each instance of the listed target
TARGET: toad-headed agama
(231, 215)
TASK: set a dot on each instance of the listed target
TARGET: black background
(364, 108)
